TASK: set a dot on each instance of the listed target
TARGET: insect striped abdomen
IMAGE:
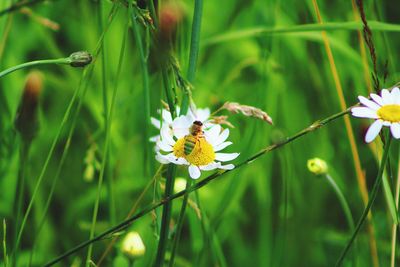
(190, 143)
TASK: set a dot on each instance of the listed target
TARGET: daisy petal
(194, 171)
(211, 166)
(395, 129)
(164, 146)
(227, 167)
(162, 159)
(212, 134)
(396, 95)
(364, 112)
(156, 123)
(377, 99)
(166, 116)
(154, 139)
(203, 114)
(366, 102)
(222, 137)
(373, 131)
(181, 126)
(178, 161)
(222, 146)
(166, 135)
(386, 97)
(226, 156)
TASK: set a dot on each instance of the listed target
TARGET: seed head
(248, 111)
(26, 120)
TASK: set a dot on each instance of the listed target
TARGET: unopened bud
(80, 59)
(132, 245)
(317, 166)
(26, 120)
(179, 185)
(170, 16)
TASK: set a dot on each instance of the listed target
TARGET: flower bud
(179, 185)
(170, 16)
(26, 120)
(80, 59)
(317, 166)
(132, 245)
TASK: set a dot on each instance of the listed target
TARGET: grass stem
(362, 185)
(180, 224)
(106, 145)
(372, 198)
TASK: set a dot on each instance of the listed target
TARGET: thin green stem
(342, 200)
(195, 40)
(394, 227)
(194, 52)
(170, 178)
(146, 91)
(166, 217)
(19, 5)
(371, 201)
(46, 163)
(62, 61)
(106, 146)
(125, 224)
(5, 243)
(180, 224)
(86, 74)
(23, 160)
(209, 234)
(345, 207)
(110, 184)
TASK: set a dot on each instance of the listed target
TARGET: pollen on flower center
(389, 113)
(202, 153)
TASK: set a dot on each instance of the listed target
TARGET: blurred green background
(272, 212)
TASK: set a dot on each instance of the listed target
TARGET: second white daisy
(385, 109)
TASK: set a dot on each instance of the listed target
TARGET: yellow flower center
(201, 154)
(390, 113)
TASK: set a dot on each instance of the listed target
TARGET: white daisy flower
(385, 109)
(189, 144)
(202, 115)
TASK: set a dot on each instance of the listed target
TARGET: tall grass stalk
(193, 56)
(19, 5)
(146, 92)
(179, 225)
(46, 163)
(110, 184)
(214, 245)
(372, 198)
(106, 145)
(131, 212)
(5, 256)
(363, 53)
(82, 87)
(170, 177)
(394, 226)
(362, 185)
(23, 163)
(125, 224)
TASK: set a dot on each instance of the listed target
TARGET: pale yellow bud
(132, 245)
(180, 184)
(317, 166)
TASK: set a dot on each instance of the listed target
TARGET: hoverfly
(196, 134)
